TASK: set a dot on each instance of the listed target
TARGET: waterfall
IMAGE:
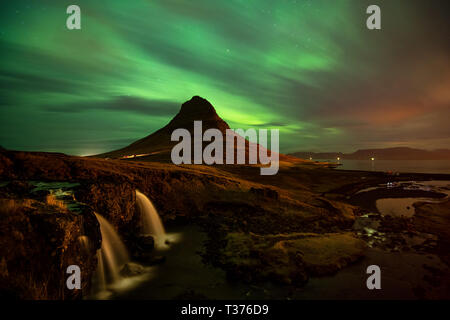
(151, 223)
(84, 243)
(112, 255)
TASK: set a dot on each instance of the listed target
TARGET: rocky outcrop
(434, 218)
(115, 202)
(38, 241)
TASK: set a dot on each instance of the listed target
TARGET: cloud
(20, 82)
(120, 104)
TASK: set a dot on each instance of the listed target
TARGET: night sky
(310, 68)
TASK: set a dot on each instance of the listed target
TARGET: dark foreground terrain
(305, 230)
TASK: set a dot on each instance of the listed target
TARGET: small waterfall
(84, 243)
(100, 273)
(112, 255)
(151, 223)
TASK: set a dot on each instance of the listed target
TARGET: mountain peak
(198, 108)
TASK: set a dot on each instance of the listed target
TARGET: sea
(402, 166)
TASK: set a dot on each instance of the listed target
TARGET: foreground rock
(38, 241)
(132, 269)
(434, 218)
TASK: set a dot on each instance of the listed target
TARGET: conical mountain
(157, 146)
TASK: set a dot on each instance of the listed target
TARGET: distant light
(310, 158)
(338, 158)
(372, 159)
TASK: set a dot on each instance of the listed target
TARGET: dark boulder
(146, 242)
(132, 269)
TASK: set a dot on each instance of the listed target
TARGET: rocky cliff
(39, 239)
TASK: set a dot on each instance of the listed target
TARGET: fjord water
(112, 256)
(151, 222)
(407, 166)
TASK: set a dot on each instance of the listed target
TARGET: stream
(184, 275)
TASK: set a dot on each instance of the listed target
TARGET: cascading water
(151, 223)
(84, 243)
(112, 256)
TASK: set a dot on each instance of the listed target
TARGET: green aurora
(309, 68)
